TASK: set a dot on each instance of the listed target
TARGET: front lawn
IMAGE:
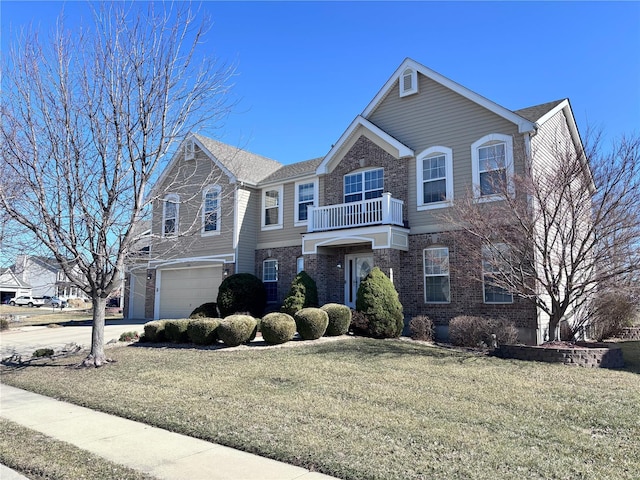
(371, 409)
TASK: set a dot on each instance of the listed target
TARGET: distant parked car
(27, 300)
(55, 302)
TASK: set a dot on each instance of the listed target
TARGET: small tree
(378, 299)
(302, 294)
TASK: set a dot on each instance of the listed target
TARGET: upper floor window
(211, 210)
(170, 215)
(270, 279)
(494, 263)
(436, 275)
(408, 82)
(434, 173)
(272, 208)
(306, 195)
(363, 185)
(492, 166)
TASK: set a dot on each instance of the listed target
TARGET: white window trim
(277, 226)
(432, 152)
(362, 174)
(424, 276)
(189, 150)
(413, 73)
(211, 188)
(271, 281)
(484, 283)
(300, 223)
(475, 165)
(173, 198)
(299, 261)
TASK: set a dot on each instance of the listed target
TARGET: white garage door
(138, 290)
(182, 290)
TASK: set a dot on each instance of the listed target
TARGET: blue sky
(306, 69)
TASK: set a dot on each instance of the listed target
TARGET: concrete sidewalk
(158, 452)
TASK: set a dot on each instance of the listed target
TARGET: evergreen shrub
(302, 294)
(154, 331)
(339, 319)
(206, 310)
(277, 328)
(235, 330)
(175, 330)
(311, 322)
(378, 299)
(203, 331)
(242, 292)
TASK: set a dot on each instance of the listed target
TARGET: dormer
(408, 82)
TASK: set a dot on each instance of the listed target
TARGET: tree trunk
(96, 357)
(554, 330)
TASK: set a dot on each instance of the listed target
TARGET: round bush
(242, 292)
(277, 328)
(237, 329)
(206, 310)
(176, 330)
(311, 323)
(203, 331)
(378, 299)
(339, 319)
(154, 331)
(303, 293)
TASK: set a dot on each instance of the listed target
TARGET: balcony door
(357, 267)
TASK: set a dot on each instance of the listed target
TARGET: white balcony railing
(377, 211)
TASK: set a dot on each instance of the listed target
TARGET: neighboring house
(45, 277)
(375, 199)
(11, 286)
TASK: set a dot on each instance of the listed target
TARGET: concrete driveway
(25, 340)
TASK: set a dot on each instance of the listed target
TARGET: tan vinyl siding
(188, 179)
(248, 215)
(289, 234)
(439, 116)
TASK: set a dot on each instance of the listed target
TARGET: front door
(357, 266)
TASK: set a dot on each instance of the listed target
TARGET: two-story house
(376, 199)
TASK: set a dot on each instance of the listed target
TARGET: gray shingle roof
(294, 170)
(245, 166)
(534, 113)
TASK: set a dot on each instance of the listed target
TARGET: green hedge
(154, 331)
(203, 331)
(311, 323)
(237, 329)
(277, 328)
(339, 319)
(303, 293)
(175, 330)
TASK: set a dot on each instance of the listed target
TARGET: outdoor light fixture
(339, 266)
(226, 272)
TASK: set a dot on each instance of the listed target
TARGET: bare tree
(87, 119)
(561, 230)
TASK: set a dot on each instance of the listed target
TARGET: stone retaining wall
(630, 333)
(593, 355)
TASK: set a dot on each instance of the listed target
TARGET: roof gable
(523, 124)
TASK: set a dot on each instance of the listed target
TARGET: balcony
(376, 211)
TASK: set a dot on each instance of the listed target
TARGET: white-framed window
(363, 185)
(434, 173)
(170, 215)
(437, 287)
(299, 264)
(492, 166)
(494, 262)
(408, 82)
(189, 150)
(211, 210)
(272, 208)
(270, 279)
(306, 196)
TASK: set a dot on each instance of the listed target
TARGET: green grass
(40, 457)
(367, 409)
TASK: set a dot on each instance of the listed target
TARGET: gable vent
(408, 82)
(189, 150)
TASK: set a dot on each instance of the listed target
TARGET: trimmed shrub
(242, 292)
(277, 328)
(359, 323)
(128, 336)
(4, 323)
(339, 319)
(206, 310)
(203, 331)
(302, 294)
(311, 322)
(469, 331)
(237, 329)
(378, 299)
(421, 328)
(43, 352)
(154, 331)
(176, 330)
